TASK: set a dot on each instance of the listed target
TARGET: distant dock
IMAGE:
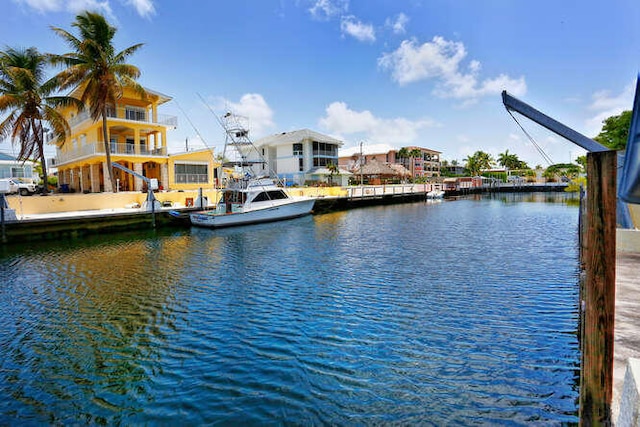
(75, 215)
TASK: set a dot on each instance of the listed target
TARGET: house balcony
(128, 115)
(97, 149)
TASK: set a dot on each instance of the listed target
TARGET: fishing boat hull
(288, 209)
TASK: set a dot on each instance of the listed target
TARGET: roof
(400, 169)
(379, 149)
(5, 158)
(375, 167)
(325, 171)
(368, 150)
(162, 98)
(296, 136)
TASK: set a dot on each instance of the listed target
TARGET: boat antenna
(211, 110)
(193, 126)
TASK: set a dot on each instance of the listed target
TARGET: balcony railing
(97, 148)
(128, 114)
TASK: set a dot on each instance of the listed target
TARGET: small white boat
(246, 198)
(260, 201)
(435, 194)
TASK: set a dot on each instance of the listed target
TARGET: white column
(137, 182)
(164, 175)
(94, 174)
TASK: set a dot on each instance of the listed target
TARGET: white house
(12, 168)
(301, 156)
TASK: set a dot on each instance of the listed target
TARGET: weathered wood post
(596, 382)
(599, 259)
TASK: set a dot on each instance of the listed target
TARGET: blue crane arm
(514, 104)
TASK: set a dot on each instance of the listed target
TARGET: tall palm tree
(97, 70)
(30, 103)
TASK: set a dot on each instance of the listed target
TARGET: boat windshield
(270, 195)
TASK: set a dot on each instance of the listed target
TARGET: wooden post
(596, 382)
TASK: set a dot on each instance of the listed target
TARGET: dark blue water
(455, 313)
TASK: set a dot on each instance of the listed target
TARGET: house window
(17, 172)
(324, 154)
(301, 164)
(134, 113)
(297, 149)
(190, 173)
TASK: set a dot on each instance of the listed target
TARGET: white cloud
(143, 7)
(441, 60)
(605, 105)
(398, 23)
(255, 108)
(327, 9)
(352, 26)
(342, 120)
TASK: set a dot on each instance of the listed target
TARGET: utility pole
(361, 164)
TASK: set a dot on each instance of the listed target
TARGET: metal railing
(97, 148)
(128, 114)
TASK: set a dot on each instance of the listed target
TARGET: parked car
(22, 187)
(10, 184)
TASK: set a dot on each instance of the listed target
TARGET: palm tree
(30, 103)
(478, 162)
(333, 169)
(511, 161)
(97, 70)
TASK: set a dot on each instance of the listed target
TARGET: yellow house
(193, 169)
(137, 141)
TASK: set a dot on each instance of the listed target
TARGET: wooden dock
(627, 319)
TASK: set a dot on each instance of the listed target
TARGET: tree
(97, 70)
(30, 103)
(511, 161)
(582, 161)
(615, 131)
(478, 162)
(333, 169)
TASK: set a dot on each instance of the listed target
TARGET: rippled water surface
(462, 312)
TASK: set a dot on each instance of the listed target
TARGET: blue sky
(389, 73)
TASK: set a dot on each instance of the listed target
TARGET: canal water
(460, 312)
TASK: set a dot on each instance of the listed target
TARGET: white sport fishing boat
(248, 198)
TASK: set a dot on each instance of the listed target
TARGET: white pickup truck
(16, 186)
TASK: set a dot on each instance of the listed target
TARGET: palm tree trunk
(43, 161)
(107, 149)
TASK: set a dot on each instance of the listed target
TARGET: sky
(384, 73)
